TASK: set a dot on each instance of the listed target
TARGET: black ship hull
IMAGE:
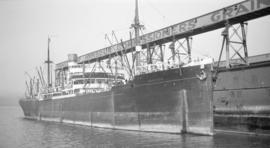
(171, 101)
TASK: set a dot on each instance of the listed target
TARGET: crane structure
(180, 35)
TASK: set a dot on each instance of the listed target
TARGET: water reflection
(18, 132)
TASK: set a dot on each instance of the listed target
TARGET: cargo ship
(131, 85)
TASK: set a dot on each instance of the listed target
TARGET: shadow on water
(19, 132)
(252, 129)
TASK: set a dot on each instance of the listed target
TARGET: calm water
(15, 131)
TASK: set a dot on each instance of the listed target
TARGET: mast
(137, 26)
(48, 63)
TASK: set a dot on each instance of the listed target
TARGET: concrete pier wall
(242, 96)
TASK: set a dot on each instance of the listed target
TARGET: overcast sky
(79, 26)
